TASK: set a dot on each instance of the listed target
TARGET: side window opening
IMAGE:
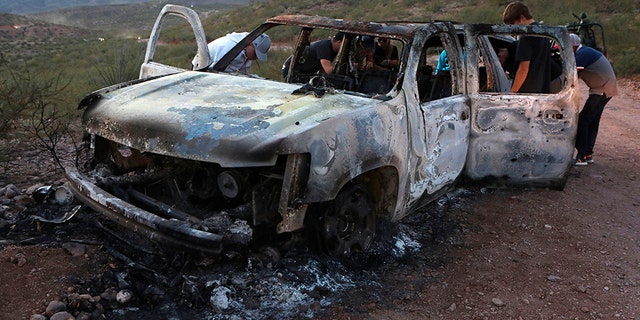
(434, 74)
(355, 66)
(498, 64)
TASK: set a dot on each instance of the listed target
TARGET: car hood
(227, 119)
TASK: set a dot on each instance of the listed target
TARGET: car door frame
(439, 129)
(521, 139)
(150, 68)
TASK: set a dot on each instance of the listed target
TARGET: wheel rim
(348, 225)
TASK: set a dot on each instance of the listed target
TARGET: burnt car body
(202, 159)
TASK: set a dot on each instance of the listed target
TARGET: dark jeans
(588, 123)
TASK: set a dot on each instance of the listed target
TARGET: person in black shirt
(317, 57)
(532, 56)
(385, 55)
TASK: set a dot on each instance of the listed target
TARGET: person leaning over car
(533, 54)
(317, 56)
(256, 50)
(596, 71)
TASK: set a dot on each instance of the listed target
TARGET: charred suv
(202, 159)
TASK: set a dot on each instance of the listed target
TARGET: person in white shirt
(256, 50)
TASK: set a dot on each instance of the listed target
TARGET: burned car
(203, 159)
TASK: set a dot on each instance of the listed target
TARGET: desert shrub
(118, 64)
(29, 106)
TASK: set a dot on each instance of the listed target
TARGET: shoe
(589, 158)
(581, 161)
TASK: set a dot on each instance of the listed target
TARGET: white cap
(575, 39)
(262, 44)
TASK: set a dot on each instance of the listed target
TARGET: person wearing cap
(256, 50)
(532, 56)
(596, 71)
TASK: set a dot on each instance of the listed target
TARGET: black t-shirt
(536, 50)
(310, 60)
(379, 55)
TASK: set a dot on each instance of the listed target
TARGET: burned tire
(348, 223)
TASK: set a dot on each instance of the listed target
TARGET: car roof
(387, 29)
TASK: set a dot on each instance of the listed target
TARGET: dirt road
(542, 254)
(515, 254)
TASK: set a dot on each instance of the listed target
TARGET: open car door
(524, 139)
(150, 68)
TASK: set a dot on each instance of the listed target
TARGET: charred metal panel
(156, 228)
(230, 120)
(438, 129)
(344, 147)
(528, 141)
(291, 207)
(524, 138)
(392, 30)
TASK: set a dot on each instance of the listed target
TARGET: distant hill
(23, 7)
(126, 19)
(14, 28)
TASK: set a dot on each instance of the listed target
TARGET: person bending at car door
(256, 50)
(533, 54)
(596, 71)
(319, 55)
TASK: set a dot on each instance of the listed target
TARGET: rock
(63, 315)
(23, 200)
(582, 289)
(497, 302)
(452, 307)
(220, 297)
(75, 249)
(54, 307)
(109, 295)
(83, 316)
(553, 278)
(108, 298)
(33, 188)
(124, 296)
(80, 302)
(20, 259)
(98, 313)
(37, 317)
(11, 191)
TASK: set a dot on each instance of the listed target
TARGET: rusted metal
(166, 231)
(290, 208)
(242, 152)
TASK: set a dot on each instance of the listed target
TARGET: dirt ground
(511, 254)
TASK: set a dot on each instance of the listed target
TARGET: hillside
(32, 6)
(20, 35)
(23, 7)
(128, 19)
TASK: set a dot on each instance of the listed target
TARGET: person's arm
(327, 65)
(521, 75)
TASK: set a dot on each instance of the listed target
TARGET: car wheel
(348, 224)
